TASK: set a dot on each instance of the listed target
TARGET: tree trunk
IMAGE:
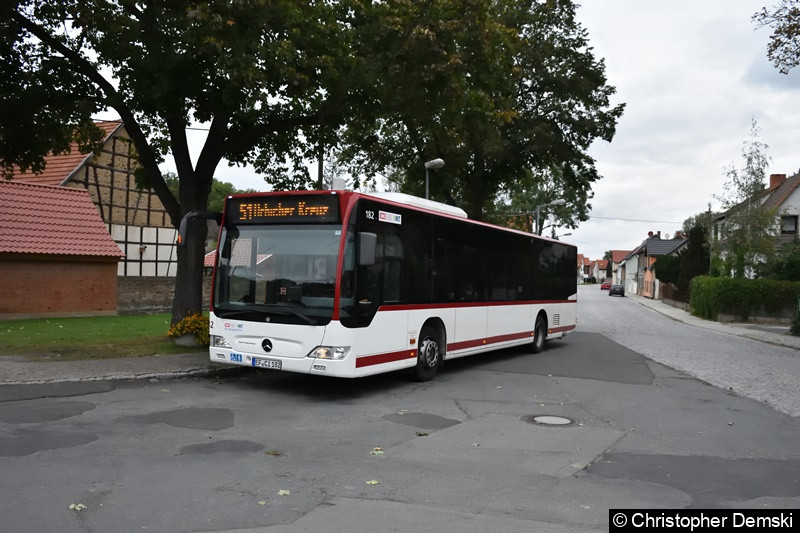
(189, 279)
(194, 188)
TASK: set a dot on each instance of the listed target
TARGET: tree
(507, 92)
(668, 268)
(538, 188)
(271, 80)
(695, 258)
(784, 45)
(216, 198)
(609, 256)
(746, 237)
(704, 218)
(785, 265)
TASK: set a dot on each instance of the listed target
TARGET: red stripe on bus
(414, 307)
(385, 358)
(489, 340)
(407, 354)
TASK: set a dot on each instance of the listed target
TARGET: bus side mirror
(367, 243)
(210, 215)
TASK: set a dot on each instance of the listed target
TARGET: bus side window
(392, 267)
(368, 282)
(348, 275)
(417, 248)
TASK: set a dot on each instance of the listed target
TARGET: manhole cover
(548, 420)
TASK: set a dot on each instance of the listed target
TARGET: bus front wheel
(429, 354)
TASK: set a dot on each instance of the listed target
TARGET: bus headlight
(219, 342)
(330, 352)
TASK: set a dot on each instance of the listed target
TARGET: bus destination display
(279, 209)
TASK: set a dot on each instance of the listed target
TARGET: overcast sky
(693, 75)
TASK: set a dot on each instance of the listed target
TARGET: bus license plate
(267, 363)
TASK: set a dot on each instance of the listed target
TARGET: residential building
(616, 261)
(646, 284)
(56, 255)
(134, 217)
(628, 273)
(782, 196)
(600, 269)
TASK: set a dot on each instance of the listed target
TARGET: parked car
(605, 285)
(616, 289)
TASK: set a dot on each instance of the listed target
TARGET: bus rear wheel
(539, 334)
(429, 354)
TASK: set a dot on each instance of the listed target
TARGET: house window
(789, 225)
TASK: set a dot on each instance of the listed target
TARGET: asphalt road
(759, 370)
(280, 452)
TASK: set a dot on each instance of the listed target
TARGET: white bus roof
(422, 203)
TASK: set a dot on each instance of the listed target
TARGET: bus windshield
(277, 273)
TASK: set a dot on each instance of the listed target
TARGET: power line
(528, 213)
(635, 220)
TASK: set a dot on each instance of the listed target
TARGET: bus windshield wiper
(260, 308)
(230, 313)
(275, 307)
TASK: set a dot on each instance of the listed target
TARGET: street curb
(176, 374)
(718, 327)
(15, 371)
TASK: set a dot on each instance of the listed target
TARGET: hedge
(740, 296)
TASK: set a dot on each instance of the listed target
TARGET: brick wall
(151, 294)
(57, 287)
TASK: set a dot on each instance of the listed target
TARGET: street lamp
(432, 164)
(560, 201)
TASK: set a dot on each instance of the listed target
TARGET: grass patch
(88, 337)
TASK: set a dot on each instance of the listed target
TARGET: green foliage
(704, 218)
(216, 198)
(746, 238)
(784, 45)
(194, 324)
(695, 258)
(539, 188)
(36, 115)
(507, 92)
(794, 329)
(785, 265)
(668, 268)
(271, 80)
(716, 266)
(88, 337)
(740, 297)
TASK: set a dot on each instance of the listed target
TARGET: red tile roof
(779, 194)
(618, 255)
(59, 167)
(241, 256)
(36, 219)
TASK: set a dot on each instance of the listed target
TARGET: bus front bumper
(305, 365)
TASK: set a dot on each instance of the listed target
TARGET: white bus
(345, 284)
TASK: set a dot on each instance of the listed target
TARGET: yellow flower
(194, 323)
